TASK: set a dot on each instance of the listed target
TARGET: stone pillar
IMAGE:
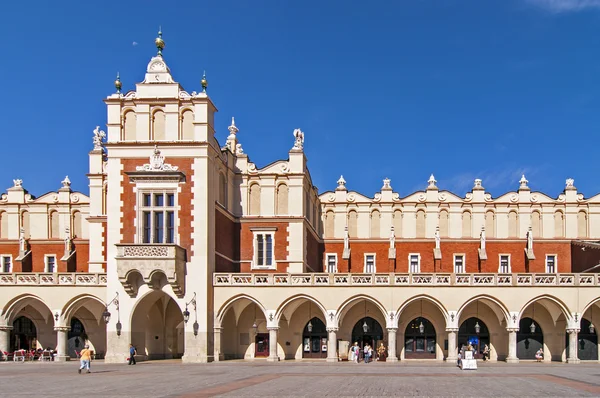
(273, 332)
(217, 337)
(512, 346)
(392, 345)
(573, 346)
(452, 353)
(61, 343)
(5, 338)
(332, 345)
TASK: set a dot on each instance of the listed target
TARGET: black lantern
(186, 315)
(119, 327)
(106, 315)
(196, 327)
(56, 316)
(532, 326)
(254, 325)
(365, 326)
(421, 328)
(477, 327)
(309, 326)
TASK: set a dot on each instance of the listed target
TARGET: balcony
(153, 264)
(472, 280)
(53, 279)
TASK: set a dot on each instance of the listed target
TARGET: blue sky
(463, 89)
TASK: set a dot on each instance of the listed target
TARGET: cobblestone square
(299, 379)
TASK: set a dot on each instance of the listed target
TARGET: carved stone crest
(157, 163)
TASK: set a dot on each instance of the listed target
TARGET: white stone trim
(255, 233)
(555, 263)
(2, 257)
(464, 262)
(327, 262)
(374, 263)
(418, 262)
(500, 255)
(46, 263)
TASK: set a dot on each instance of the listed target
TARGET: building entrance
(529, 340)
(587, 343)
(473, 331)
(314, 339)
(261, 345)
(419, 339)
(367, 331)
(24, 334)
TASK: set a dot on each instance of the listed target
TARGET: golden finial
(160, 43)
(204, 82)
(118, 84)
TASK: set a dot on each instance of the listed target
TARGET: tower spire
(160, 43)
(118, 84)
(204, 82)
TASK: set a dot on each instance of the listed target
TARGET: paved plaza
(298, 379)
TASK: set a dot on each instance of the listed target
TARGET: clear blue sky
(463, 89)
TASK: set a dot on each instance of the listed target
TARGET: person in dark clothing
(132, 354)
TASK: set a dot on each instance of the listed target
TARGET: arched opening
(353, 224)
(375, 224)
(367, 331)
(77, 233)
(529, 339)
(420, 339)
(3, 225)
(157, 329)
(420, 220)
(54, 225)
(314, 339)
(129, 126)
(587, 342)
(23, 336)
(475, 332)
(329, 224)
(76, 337)
(254, 205)
(444, 223)
(559, 224)
(187, 125)
(282, 199)
(490, 224)
(466, 224)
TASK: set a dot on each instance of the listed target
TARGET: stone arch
(129, 125)
(14, 307)
(287, 303)
(398, 223)
(497, 306)
(582, 224)
(375, 224)
(282, 199)
(426, 297)
(559, 308)
(254, 199)
(559, 224)
(232, 301)
(490, 223)
(350, 302)
(589, 305)
(467, 227)
(444, 227)
(187, 124)
(25, 224)
(75, 303)
(158, 125)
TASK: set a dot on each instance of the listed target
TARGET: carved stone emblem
(157, 163)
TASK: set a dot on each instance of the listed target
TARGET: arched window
(54, 225)
(375, 224)
(129, 123)
(582, 224)
(282, 199)
(352, 224)
(222, 190)
(420, 224)
(187, 125)
(444, 223)
(329, 224)
(77, 233)
(25, 223)
(536, 224)
(466, 224)
(513, 230)
(398, 223)
(559, 224)
(158, 126)
(254, 200)
(3, 225)
(490, 224)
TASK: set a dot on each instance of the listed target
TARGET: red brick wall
(227, 242)
(314, 252)
(11, 248)
(128, 197)
(247, 246)
(582, 260)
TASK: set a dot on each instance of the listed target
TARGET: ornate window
(504, 267)
(370, 266)
(551, 263)
(158, 216)
(50, 263)
(6, 262)
(264, 244)
(414, 263)
(459, 263)
(331, 262)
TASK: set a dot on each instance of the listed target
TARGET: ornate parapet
(53, 279)
(150, 260)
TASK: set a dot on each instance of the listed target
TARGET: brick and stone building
(185, 248)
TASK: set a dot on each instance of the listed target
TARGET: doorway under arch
(587, 342)
(157, 327)
(314, 339)
(367, 331)
(77, 337)
(419, 339)
(23, 336)
(475, 332)
(529, 339)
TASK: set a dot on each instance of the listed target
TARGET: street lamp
(477, 327)
(106, 314)
(309, 326)
(532, 326)
(186, 313)
(365, 326)
(421, 326)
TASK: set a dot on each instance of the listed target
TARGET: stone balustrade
(53, 279)
(442, 279)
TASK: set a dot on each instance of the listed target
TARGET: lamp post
(106, 314)
(532, 326)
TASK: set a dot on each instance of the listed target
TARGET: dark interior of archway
(314, 341)
(529, 343)
(372, 336)
(587, 342)
(78, 332)
(467, 334)
(419, 344)
(23, 336)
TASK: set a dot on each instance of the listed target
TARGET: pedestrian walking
(85, 359)
(132, 354)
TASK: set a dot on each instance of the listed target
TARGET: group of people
(367, 351)
(85, 358)
(485, 354)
